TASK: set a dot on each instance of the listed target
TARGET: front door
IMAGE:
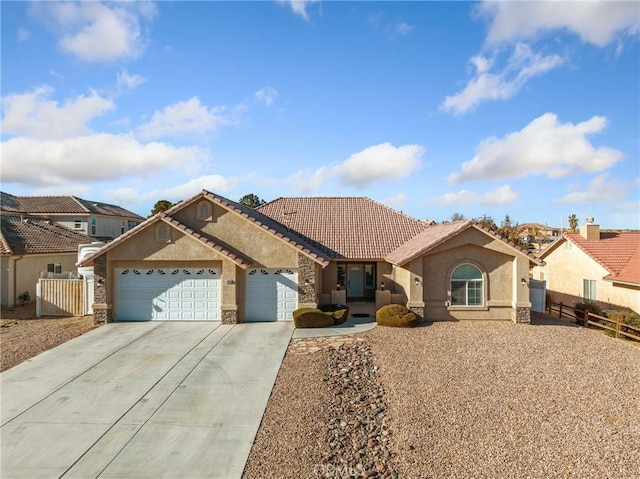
(355, 280)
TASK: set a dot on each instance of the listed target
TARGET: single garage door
(272, 294)
(167, 294)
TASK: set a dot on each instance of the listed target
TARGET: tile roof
(617, 251)
(345, 227)
(42, 205)
(28, 234)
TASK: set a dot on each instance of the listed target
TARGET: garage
(167, 294)
(272, 294)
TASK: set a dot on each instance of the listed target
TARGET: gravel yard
(467, 399)
(23, 335)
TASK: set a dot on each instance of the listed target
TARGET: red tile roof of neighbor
(44, 205)
(616, 251)
(345, 227)
(33, 235)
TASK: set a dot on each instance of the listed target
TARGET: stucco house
(101, 221)
(594, 265)
(30, 245)
(209, 258)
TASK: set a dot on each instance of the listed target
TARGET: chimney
(590, 231)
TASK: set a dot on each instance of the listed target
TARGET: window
(204, 211)
(163, 233)
(342, 276)
(93, 225)
(77, 224)
(467, 286)
(589, 289)
(131, 225)
(54, 268)
(369, 276)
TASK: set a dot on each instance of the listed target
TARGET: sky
(526, 109)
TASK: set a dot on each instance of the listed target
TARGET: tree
(252, 201)
(160, 206)
(486, 222)
(573, 222)
(457, 217)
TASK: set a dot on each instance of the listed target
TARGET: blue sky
(530, 109)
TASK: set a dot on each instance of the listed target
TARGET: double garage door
(191, 294)
(167, 294)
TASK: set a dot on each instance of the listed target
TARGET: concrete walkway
(141, 400)
(352, 325)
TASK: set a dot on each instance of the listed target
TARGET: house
(99, 220)
(209, 258)
(30, 245)
(538, 234)
(594, 265)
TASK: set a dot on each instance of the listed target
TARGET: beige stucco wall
(106, 226)
(502, 268)
(21, 273)
(566, 268)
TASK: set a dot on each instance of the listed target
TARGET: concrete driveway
(134, 400)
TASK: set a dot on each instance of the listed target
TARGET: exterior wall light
(381, 285)
(524, 281)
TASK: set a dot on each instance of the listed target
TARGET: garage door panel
(272, 294)
(168, 294)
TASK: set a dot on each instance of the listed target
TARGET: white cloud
(94, 31)
(595, 22)
(23, 35)
(522, 66)
(396, 202)
(299, 7)
(601, 189)
(503, 195)
(267, 95)
(371, 165)
(63, 190)
(130, 82)
(215, 183)
(185, 117)
(544, 146)
(34, 114)
(402, 28)
(90, 158)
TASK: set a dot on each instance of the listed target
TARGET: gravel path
(468, 399)
(23, 335)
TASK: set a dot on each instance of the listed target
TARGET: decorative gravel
(457, 400)
(23, 335)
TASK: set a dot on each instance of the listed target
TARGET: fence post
(560, 310)
(618, 327)
(586, 318)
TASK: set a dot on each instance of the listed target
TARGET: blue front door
(355, 280)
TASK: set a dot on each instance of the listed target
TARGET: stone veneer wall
(102, 312)
(419, 311)
(522, 316)
(306, 280)
(229, 316)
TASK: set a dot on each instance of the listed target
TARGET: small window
(54, 268)
(467, 286)
(93, 225)
(77, 224)
(204, 211)
(341, 279)
(163, 233)
(589, 289)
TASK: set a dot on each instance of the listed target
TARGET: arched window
(467, 286)
(204, 211)
(163, 233)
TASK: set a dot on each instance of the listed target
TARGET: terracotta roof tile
(616, 251)
(43, 205)
(34, 235)
(345, 227)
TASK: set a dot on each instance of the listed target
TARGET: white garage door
(167, 294)
(272, 294)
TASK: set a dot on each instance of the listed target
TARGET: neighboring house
(30, 245)
(98, 220)
(603, 267)
(210, 258)
(538, 234)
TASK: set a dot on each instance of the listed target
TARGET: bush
(311, 318)
(626, 317)
(340, 313)
(396, 315)
(590, 306)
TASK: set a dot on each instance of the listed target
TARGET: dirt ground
(23, 335)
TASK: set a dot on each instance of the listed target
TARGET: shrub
(311, 318)
(396, 315)
(340, 313)
(590, 306)
(626, 317)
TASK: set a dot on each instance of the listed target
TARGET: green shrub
(340, 313)
(626, 317)
(311, 318)
(396, 315)
(590, 306)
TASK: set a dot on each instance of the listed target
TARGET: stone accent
(306, 280)
(522, 316)
(101, 315)
(229, 316)
(419, 311)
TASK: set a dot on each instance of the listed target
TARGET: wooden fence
(585, 318)
(60, 297)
